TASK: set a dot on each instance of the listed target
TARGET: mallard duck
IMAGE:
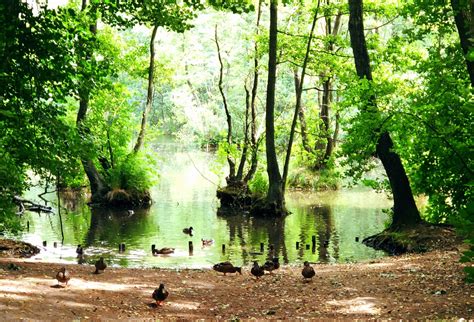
(308, 271)
(63, 276)
(227, 267)
(271, 265)
(256, 270)
(207, 242)
(188, 231)
(79, 250)
(163, 251)
(160, 294)
(100, 265)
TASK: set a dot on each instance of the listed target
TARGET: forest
(275, 99)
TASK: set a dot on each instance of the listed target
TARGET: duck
(100, 265)
(272, 265)
(207, 242)
(163, 251)
(227, 267)
(256, 270)
(188, 231)
(130, 212)
(308, 271)
(79, 250)
(160, 294)
(63, 276)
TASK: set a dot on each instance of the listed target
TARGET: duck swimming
(163, 251)
(188, 231)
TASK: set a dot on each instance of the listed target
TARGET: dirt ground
(426, 286)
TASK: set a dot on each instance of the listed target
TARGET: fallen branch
(32, 206)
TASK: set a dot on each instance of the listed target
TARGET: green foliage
(259, 183)
(135, 173)
(464, 223)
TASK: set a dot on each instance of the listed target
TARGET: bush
(259, 183)
(304, 178)
(136, 174)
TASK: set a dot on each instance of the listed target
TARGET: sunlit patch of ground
(362, 305)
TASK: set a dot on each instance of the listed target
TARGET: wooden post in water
(357, 239)
(28, 225)
(297, 245)
(307, 246)
(223, 248)
(44, 243)
(191, 248)
(313, 241)
(261, 247)
(55, 244)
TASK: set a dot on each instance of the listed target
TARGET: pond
(184, 197)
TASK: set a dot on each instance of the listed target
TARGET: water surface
(184, 197)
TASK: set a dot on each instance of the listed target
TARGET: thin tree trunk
(253, 105)
(302, 116)
(149, 94)
(328, 98)
(299, 93)
(464, 18)
(275, 193)
(243, 157)
(231, 162)
(405, 212)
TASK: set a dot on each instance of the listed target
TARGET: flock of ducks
(160, 294)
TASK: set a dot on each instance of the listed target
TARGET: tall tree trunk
(253, 104)
(275, 194)
(231, 162)
(405, 212)
(464, 18)
(149, 94)
(96, 181)
(299, 93)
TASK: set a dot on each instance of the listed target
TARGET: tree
(405, 212)
(275, 196)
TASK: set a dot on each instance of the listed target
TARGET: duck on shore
(256, 270)
(100, 265)
(308, 271)
(63, 276)
(160, 294)
(227, 267)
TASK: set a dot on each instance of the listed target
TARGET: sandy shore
(427, 286)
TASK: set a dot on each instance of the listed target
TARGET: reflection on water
(324, 225)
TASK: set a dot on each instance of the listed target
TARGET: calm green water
(185, 196)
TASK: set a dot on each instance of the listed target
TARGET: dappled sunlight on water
(184, 197)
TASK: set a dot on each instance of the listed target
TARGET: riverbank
(415, 286)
